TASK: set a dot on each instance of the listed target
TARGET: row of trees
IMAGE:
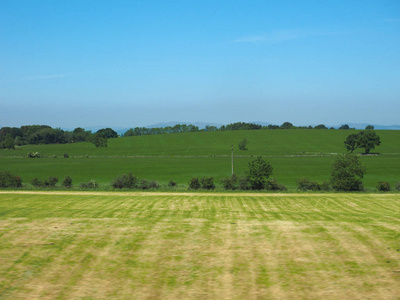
(347, 173)
(233, 126)
(43, 134)
(178, 128)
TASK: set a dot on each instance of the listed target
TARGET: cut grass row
(196, 246)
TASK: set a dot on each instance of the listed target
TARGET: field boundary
(82, 193)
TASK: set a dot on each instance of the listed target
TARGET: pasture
(76, 245)
(293, 154)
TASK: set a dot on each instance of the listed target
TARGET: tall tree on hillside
(107, 133)
(287, 125)
(351, 142)
(320, 126)
(367, 140)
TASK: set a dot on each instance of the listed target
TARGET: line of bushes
(129, 181)
(346, 175)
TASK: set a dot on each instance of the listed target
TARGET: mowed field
(292, 153)
(199, 246)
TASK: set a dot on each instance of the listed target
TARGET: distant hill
(381, 127)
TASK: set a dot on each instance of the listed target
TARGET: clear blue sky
(135, 63)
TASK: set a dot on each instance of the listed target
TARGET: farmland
(293, 154)
(196, 245)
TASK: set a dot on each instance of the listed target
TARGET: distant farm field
(292, 153)
(199, 246)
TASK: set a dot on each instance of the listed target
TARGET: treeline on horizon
(234, 126)
(44, 134)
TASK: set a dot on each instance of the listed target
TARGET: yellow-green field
(199, 246)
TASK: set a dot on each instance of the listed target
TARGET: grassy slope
(200, 246)
(277, 145)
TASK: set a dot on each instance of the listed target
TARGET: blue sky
(136, 63)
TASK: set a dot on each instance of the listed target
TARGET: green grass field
(292, 153)
(199, 246)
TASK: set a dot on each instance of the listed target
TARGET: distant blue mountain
(376, 126)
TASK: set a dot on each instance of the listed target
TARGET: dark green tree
(9, 142)
(107, 133)
(368, 140)
(320, 126)
(351, 142)
(243, 144)
(98, 140)
(344, 127)
(67, 182)
(9, 180)
(347, 173)
(194, 183)
(207, 182)
(287, 125)
(258, 173)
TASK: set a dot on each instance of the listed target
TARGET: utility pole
(232, 159)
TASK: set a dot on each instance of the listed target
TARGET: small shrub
(127, 181)
(67, 182)
(172, 183)
(229, 183)
(194, 183)
(153, 184)
(66, 155)
(148, 184)
(50, 182)
(144, 184)
(9, 180)
(244, 183)
(17, 181)
(91, 185)
(383, 186)
(324, 186)
(36, 182)
(305, 184)
(273, 185)
(207, 183)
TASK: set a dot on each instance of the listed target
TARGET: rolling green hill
(293, 154)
